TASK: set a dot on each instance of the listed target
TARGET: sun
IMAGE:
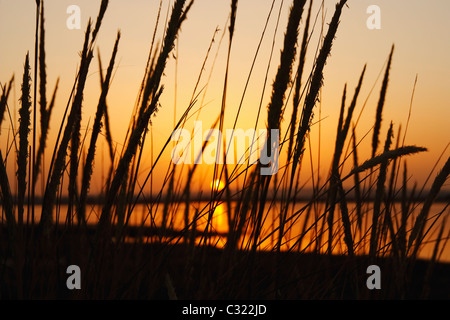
(217, 185)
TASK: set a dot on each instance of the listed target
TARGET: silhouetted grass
(24, 129)
(275, 246)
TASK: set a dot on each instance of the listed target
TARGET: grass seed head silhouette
(269, 234)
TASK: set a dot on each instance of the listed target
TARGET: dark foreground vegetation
(158, 271)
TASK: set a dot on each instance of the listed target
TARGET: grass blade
(24, 129)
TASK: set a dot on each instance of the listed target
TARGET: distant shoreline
(443, 197)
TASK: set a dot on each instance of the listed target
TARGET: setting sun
(217, 185)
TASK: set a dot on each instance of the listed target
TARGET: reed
(24, 129)
(348, 238)
(70, 130)
(99, 115)
(390, 199)
(275, 111)
(153, 81)
(316, 84)
(4, 99)
(59, 162)
(357, 180)
(44, 110)
(146, 110)
(155, 69)
(100, 15)
(298, 80)
(419, 225)
(314, 245)
(121, 171)
(232, 18)
(387, 155)
(378, 196)
(32, 166)
(216, 174)
(150, 64)
(283, 77)
(378, 117)
(45, 115)
(434, 258)
(42, 69)
(7, 202)
(404, 212)
(342, 131)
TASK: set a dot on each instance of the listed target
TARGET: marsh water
(305, 228)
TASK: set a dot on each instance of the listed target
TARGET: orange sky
(419, 31)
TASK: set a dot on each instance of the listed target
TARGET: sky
(418, 29)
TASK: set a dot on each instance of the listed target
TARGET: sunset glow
(217, 185)
(428, 122)
(206, 149)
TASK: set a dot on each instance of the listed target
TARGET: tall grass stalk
(44, 110)
(153, 78)
(59, 162)
(216, 175)
(225, 84)
(276, 106)
(100, 114)
(242, 208)
(149, 66)
(387, 155)
(273, 215)
(24, 129)
(357, 180)
(380, 190)
(4, 100)
(7, 201)
(342, 131)
(276, 110)
(419, 225)
(316, 84)
(153, 81)
(45, 117)
(39, 14)
(298, 80)
(381, 101)
(390, 199)
(151, 93)
(42, 83)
